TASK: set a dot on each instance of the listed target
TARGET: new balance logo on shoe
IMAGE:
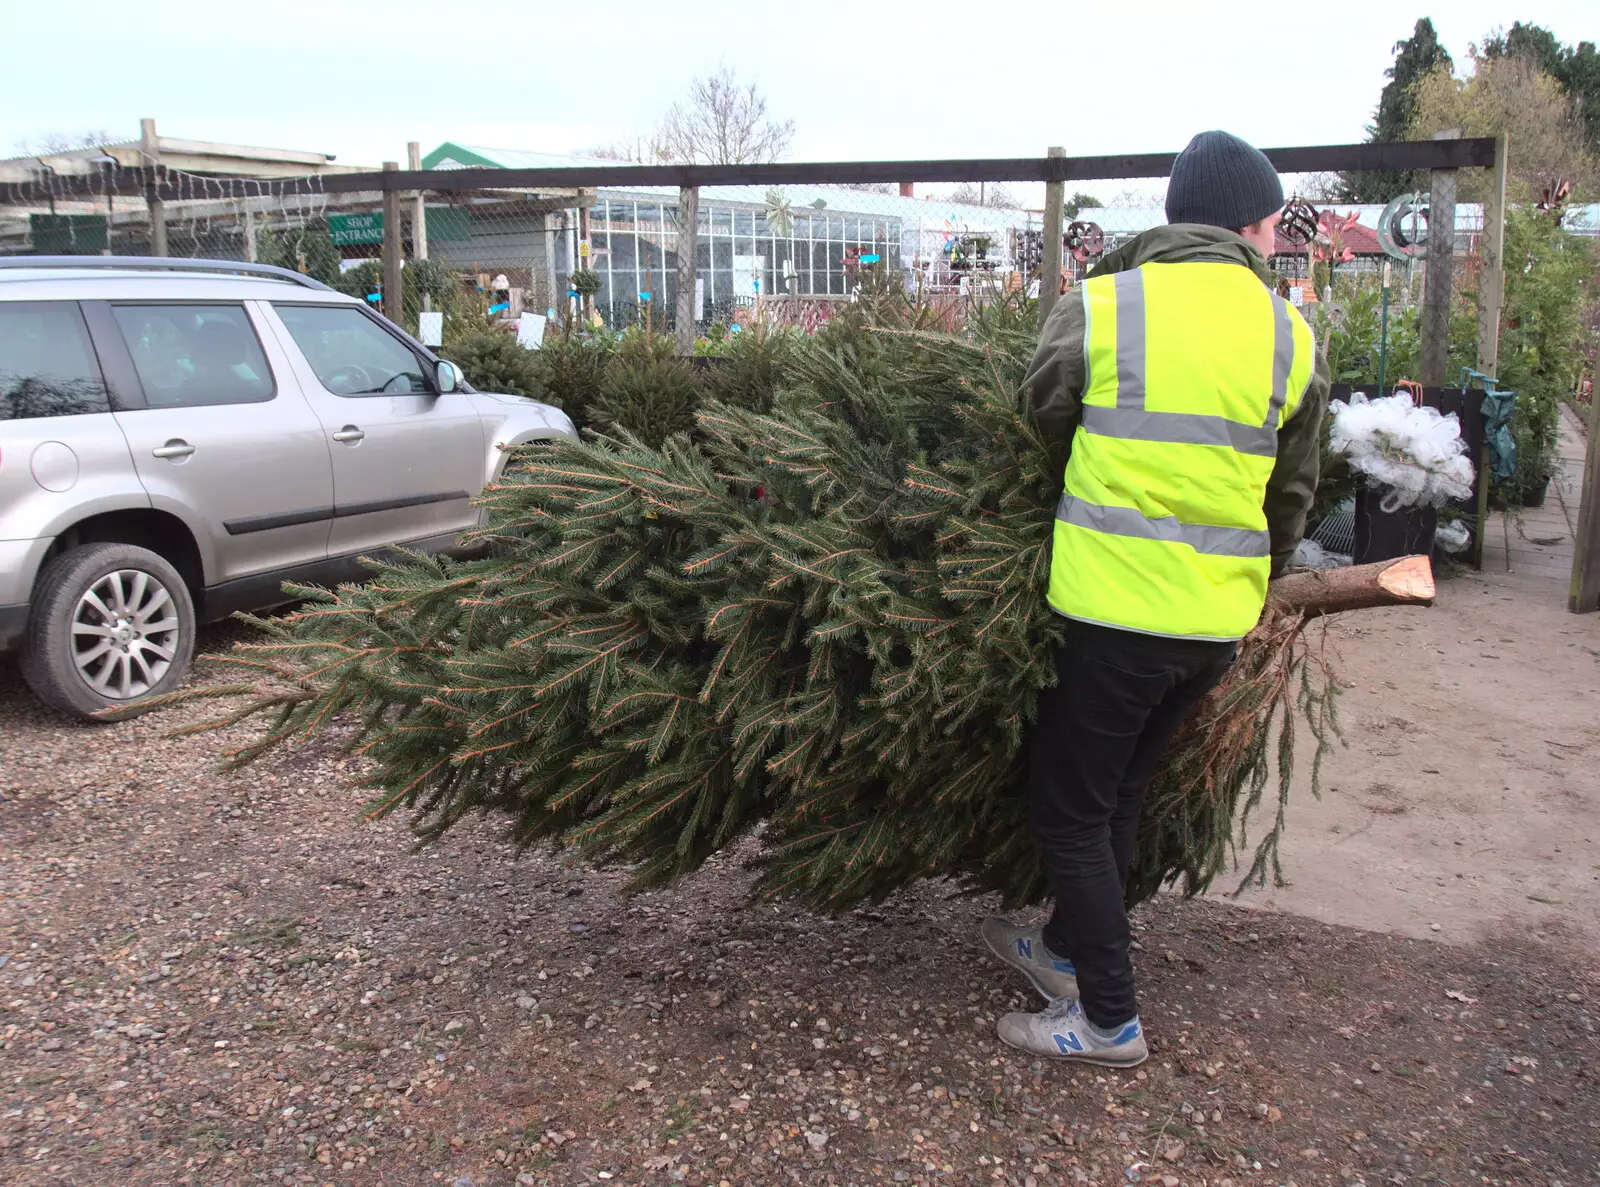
(1060, 1031)
(1024, 949)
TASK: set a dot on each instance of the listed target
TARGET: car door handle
(349, 434)
(175, 448)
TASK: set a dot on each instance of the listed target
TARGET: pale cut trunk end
(1407, 581)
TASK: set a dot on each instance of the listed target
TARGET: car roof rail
(165, 264)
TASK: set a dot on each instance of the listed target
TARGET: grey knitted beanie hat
(1221, 181)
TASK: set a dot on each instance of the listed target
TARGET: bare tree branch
(722, 121)
(641, 150)
(992, 194)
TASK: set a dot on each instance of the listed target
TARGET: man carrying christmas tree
(1188, 401)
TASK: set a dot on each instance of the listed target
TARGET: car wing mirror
(447, 377)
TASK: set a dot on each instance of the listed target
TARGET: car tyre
(111, 626)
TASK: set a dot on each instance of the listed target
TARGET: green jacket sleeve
(1293, 484)
(1053, 385)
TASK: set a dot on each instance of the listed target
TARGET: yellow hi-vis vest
(1192, 369)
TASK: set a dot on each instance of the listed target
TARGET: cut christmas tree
(820, 625)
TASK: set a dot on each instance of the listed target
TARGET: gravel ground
(232, 979)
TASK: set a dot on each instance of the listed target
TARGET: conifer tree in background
(494, 361)
(572, 368)
(751, 369)
(646, 391)
(1415, 58)
(307, 248)
(818, 617)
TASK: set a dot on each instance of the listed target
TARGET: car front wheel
(112, 626)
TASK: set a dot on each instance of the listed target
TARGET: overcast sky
(882, 79)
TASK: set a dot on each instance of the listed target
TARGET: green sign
(346, 229)
(444, 222)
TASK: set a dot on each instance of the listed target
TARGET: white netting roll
(1416, 453)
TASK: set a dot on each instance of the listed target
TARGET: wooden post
(393, 249)
(1055, 201)
(419, 216)
(1491, 293)
(1584, 597)
(553, 298)
(419, 209)
(688, 248)
(150, 151)
(586, 302)
(1491, 248)
(249, 232)
(1434, 348)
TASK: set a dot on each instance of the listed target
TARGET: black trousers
(1099, 737)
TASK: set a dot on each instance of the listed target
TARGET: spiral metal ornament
(1403, 227)
(1086, 241)
(1299, 225)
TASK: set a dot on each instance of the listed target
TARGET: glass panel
(802, 226)
(722, 221)
(624, 252)
(622, 214)
(351, 354)
(46, 365)
(743, 222)
(195, 355)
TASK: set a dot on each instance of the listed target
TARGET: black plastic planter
(1384, 535)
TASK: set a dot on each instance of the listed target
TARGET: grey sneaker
(1023, 949)
(1060, 1031)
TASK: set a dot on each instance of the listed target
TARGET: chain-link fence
(1395, 253)
(497, 235)
(794, 253)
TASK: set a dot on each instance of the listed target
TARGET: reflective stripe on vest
(1191, 369)
(1125, 521)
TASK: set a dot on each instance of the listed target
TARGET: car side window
(190, 356)
(47, 365)
(351, 354)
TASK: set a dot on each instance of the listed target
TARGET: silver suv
(178, 438)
